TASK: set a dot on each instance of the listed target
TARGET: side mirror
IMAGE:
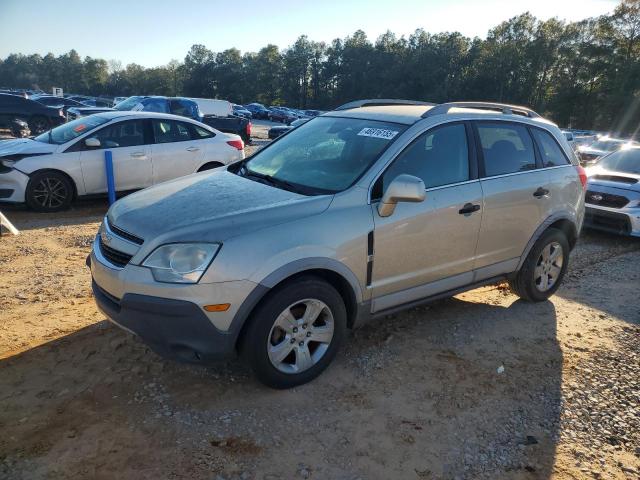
(404, 188)
(92, 143)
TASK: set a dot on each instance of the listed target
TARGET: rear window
(506, 148)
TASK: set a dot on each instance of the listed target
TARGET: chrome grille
(114, 256)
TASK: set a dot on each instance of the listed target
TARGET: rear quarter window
(551, 153)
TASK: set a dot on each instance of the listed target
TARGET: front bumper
(174, 329)
(170, 317)
(13, 185)
(619, 221)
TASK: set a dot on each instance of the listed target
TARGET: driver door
(131, 152)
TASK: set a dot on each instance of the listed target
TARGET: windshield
(624, 161)
(606, 145)
(326, 154)
(129, 103)
(70, 131)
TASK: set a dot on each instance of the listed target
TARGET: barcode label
(377, 133)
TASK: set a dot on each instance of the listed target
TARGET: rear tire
(49, 191)
(295, 333)
(544, 268)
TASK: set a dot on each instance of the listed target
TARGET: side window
(552, 155)
(183, 108)
(507, 148)
(439, 157)
(199, 133)
(154, 105)
(122, 134)
(168, 131)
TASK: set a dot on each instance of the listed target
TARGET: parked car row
(215, 113)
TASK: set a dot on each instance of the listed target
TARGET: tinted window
(439, 157)
(154, 105)
(507, 148)
(121, 134)
(168, 131)
(198, 133)
(550, 151)
(184, 108)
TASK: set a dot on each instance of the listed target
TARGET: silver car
(374, 207)
(613, 193)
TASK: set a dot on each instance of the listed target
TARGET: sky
(153, 32)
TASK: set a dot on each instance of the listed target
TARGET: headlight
(181, 262)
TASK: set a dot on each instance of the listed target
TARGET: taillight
(583, 176)
(237, 144)
(249, 129)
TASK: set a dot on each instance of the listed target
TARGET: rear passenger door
(428, 247)
(177, 151)
(516, 195)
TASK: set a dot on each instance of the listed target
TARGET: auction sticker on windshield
(377, 133)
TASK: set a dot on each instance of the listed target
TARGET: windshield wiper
(276, 182)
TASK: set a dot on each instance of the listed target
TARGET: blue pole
(111, 184)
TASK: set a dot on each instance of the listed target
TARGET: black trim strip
(369, 257)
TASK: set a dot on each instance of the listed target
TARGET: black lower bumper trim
(174, 329)
(608, 221)
(6, 192)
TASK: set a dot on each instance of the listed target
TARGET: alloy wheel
(548, 266)
(50, 193)
(300, 336)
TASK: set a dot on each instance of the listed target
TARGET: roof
(128, 113)
(406, 114)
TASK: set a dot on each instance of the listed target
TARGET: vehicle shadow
(459, 389)
(589, 277)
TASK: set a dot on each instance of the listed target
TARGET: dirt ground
(477, 386)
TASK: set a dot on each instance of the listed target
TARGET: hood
(210, 206)
(611, 178)
(24, 147)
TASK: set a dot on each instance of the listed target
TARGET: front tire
(295, 333)
(49, 191)
(544, 267)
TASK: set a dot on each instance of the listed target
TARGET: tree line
(583, 74)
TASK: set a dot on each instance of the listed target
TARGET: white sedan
(50, 170)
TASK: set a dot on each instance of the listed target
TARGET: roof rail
(503, 108)
(381, 102)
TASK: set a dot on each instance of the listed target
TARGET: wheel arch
(348, 290)
(560, 222)
(209, 166)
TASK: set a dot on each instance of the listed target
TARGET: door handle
(138, 155)
(192, 149)
(468, 208)
(540, 192)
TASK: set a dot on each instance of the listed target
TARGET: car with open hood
(49, 171)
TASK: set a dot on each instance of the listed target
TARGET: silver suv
(374, 207)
